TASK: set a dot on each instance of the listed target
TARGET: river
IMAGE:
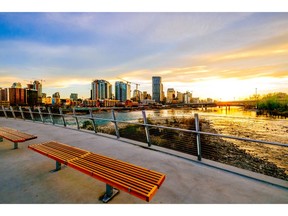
(234, 121)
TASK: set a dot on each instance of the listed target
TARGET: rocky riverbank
(247, 156)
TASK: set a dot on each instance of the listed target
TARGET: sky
(224, 56)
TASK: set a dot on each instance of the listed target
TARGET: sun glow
(228, 89)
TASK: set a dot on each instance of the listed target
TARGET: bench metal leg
(58, 167)
(110, 193)
(15, 145)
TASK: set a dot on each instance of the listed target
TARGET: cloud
(71, 49)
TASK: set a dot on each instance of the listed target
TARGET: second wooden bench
(15, 136)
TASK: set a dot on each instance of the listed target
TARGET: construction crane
(41, 81)
(29, 81)
(128, 82)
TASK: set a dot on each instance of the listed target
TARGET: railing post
(31, 114)
(92, 119)
(61, 113)
(76, 118)
(3, 108)
(40, 113)
(12, 110)
(115, 124)
(22, 114)
(197, 129)
(51, 116)
(146, 128)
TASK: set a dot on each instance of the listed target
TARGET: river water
(234, 122)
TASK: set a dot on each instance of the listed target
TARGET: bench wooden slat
(15, 135)
(130, 181)
(136, 171)
(11, 137)
(118, 182)
(72, 150)
(136, 180)
(114, 183)
(49, 151)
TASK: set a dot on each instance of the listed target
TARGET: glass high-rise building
(121, 90)
(157, 89)
(101, 89)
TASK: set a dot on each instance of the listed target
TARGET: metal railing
(192, 141)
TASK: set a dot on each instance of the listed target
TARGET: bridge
(244, 103)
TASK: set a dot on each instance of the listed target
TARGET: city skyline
(213, 55)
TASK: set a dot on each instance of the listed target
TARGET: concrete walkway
(25, 176)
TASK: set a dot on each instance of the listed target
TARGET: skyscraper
(101, 89)
(3, 94)
(170, 95)
(157, 89)
(38, 86)
(17, 96)
(121, 91)
(32, 97)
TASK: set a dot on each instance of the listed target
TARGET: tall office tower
(101, 89)
(17, 96)
(3, 94)
(157, 89)
(187, 97)
(162, 95)
(128, 91)
(170, 95)
(31, 97)
(180, 97)
(121, 91)
(137, 95)
(38, 86)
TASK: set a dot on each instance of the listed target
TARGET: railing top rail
(159, 126)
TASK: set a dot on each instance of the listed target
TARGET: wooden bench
(135, 180)
(14, 136)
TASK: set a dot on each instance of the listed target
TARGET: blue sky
(218, 55)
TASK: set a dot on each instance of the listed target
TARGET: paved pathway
(25, 176)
